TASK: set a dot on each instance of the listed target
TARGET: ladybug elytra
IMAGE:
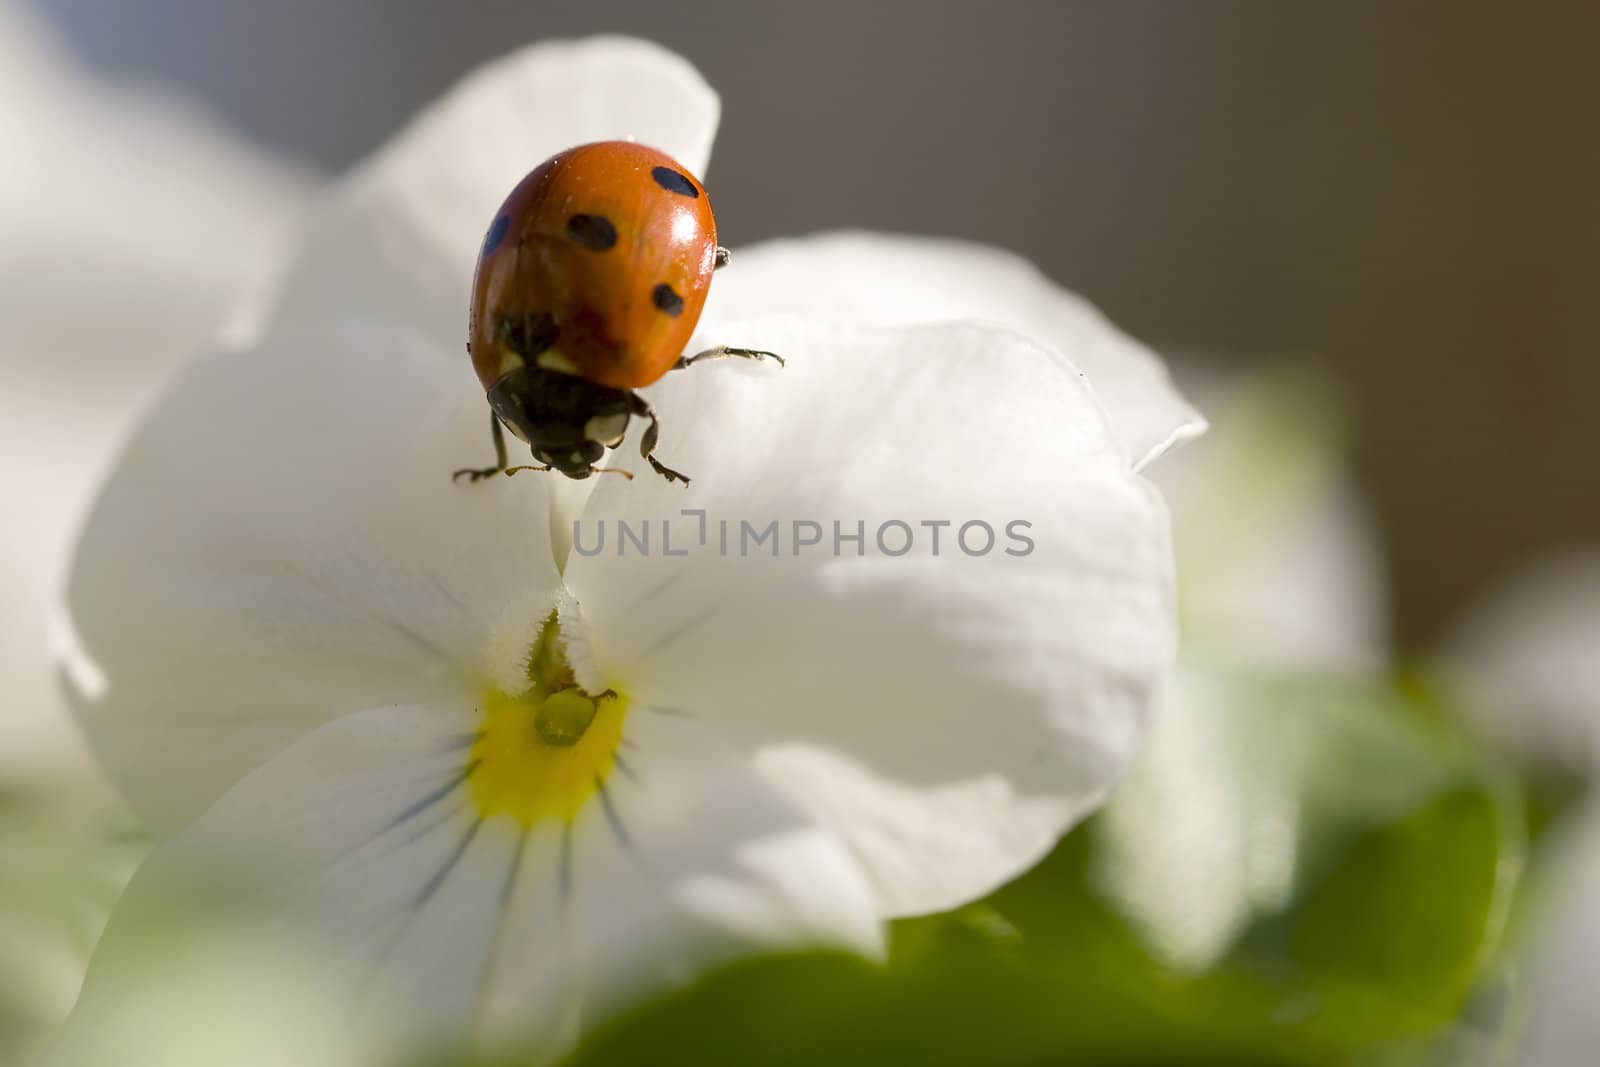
(590, 283)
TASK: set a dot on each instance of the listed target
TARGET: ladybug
(591, 279)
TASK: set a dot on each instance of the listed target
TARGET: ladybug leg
(500, 460)
(647, 444)
(478, 473)
(724, 352)
(722, 257)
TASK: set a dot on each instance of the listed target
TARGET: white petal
(1203, 835)
(282, 544)
(437, 925)
(689, 860)
(444, 176)
(949, 717)
(361, 838)
(129, 213)
(1529, 653)
(128, 220)
(1278, 559)
(878, 278)
(1227, 808)
(1562, 966)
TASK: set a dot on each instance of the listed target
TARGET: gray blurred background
(1403, 191)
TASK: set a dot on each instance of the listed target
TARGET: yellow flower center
(543, 753)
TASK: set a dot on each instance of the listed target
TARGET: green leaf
(1400, 927)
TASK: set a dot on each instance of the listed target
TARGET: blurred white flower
(128, 220)
(1279, 571)
(1528, 660)
(1529, 654)
(517, 788)
(1278, 559)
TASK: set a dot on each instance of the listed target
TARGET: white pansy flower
(1278, 551)
(1527, 657)
(1280, 572)
(128, 221)
(522, 786)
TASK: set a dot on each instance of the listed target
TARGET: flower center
(544, 752)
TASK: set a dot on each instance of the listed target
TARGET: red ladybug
(591, 280)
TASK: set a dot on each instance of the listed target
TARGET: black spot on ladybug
(667, 300)
(496, 234)
(527, 335)
(674, 182)
(593, 232)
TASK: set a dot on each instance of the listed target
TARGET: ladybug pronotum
(591, 279)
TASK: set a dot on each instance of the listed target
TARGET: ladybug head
(567, 422)
(575, 460)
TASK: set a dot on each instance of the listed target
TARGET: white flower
(1527, 655)
(1278, 557)
(128, 220)
(522, 787)
(1279, 571)
(127, 223)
